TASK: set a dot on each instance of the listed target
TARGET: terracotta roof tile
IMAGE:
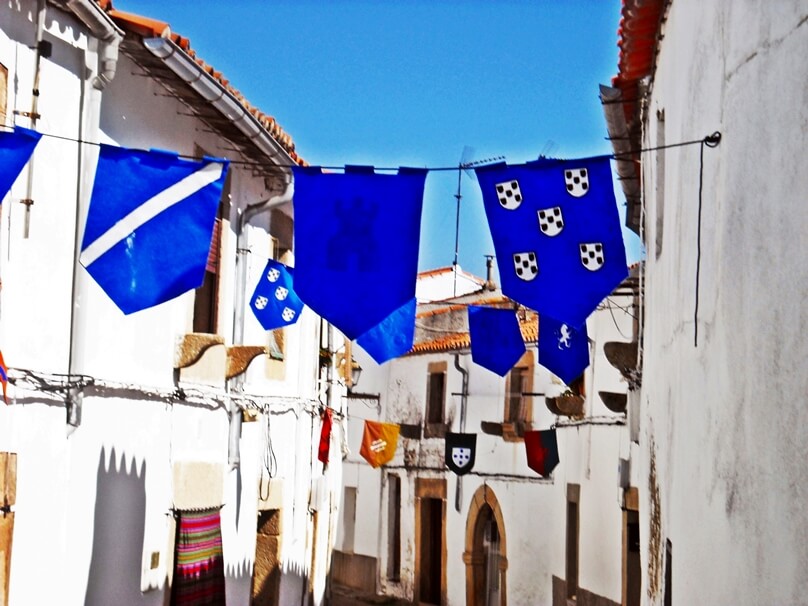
(147, 27)
(462, 340)
(637, 39)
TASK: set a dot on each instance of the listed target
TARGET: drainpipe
(40, 49)
(242, 249)
(464, 397)
(109, 38)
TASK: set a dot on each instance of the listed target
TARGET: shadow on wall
(120, 518)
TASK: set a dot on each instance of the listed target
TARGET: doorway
(430, 533)
(485, 556)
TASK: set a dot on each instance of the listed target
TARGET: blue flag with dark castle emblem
(356, 243)
(556, 234)
(563, 350)
(274, 301)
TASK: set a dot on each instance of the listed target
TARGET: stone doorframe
(475, 559)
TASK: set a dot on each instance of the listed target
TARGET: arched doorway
(485, 555)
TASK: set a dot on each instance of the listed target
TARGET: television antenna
(464, 166)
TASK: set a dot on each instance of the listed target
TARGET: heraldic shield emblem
(460, 451)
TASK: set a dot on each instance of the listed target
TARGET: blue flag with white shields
(556, 234)
(563, 350)
(150, 224)
(356, 243)
(274, 301)
(16, 148)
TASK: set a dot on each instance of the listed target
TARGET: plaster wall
(102, 493)
(723, 432)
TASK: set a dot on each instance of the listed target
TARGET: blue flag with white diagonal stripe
(556, 234)
(16, 148)
(496, 339)
(356, 243)
(563, 350)
(150, 224)
(274, 301)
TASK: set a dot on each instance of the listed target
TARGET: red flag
(3, 376)
(325, 437)
(542, 451)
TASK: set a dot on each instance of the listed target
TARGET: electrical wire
(709, 140)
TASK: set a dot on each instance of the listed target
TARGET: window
(518, 402)
(348, 518)
(393, 527)
(573, 498)
(435, 400)
(206, 301)
(3, 93)
(668, 573)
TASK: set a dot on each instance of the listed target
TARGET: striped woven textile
(199, 567)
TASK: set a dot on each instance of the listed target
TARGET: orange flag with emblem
(379, 442)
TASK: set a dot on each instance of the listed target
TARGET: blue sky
(414, 83)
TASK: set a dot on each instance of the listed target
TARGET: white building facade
(116, 425)
(499, 534)
(722, 417)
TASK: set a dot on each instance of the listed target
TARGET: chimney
(489, 273)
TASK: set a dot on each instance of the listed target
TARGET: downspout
(108, 34)
(33, 115)
(464, 397)
(242, 250)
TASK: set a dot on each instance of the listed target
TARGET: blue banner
(274, 301)
(150, 224)
(356, 243)
(563, 350)
(16, 148)
(393, 336)
(556, 234)
(496, 339)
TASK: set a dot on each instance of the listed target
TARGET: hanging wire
(710, 140)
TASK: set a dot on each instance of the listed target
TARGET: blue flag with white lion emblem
(150, 224)
(274, 301)
(563, 350)
(356, 243)
(556, 234)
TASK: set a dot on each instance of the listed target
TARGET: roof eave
(217, 96)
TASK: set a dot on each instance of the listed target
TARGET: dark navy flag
(556, 234)
(563, 350)
(393, 336)
(274, 301)
(460, 453)
(356, 243)
(496, 339)
(542, 451)
(150, 224)
(16, 148)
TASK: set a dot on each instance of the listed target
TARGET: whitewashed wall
(93, 505)
(725, 420)
(534, 509)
